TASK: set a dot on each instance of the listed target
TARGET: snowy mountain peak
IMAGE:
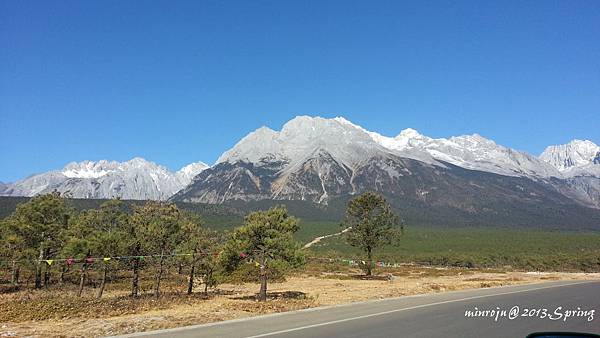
(264, 130)
(474, 141)
(193, 168)
(477, 138)
(343, 120)
(409, 133)
(188, 172)
(140, 160)
(253, 147)
(96, 169)
(299, 138)
(315, 124)
(573, 155)
(133, 179)
(408, 139)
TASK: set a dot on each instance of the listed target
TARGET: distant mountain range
(326, 160)
(136, 179)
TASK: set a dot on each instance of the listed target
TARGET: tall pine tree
(372, 224)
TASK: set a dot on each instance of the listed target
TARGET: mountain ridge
(318, 159)
(134, 179)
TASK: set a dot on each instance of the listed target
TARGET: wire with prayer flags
(90, 260)
(243, 255)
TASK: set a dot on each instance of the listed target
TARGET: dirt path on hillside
(318, 239)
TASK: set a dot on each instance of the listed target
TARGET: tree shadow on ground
(9, 288)
(386, 277)
(276, 295)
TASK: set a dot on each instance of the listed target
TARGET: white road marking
(405, 309)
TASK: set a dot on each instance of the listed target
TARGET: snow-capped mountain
(468, 151)
(579, 163)
(134, 179)
(310, 158)
(576, 158)
(318, 159)
(350, 143)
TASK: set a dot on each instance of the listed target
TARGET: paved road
(424, 316)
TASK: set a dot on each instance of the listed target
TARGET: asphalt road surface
(553, 306)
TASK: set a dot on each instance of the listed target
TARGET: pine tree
(202, 246)
(372, 224)
(13, 248)
(98, 232)
(39, 225)
(158, 225)
(265, 239)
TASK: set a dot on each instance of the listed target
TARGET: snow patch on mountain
(89, 169)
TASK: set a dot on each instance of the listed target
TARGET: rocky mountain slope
(320, 160)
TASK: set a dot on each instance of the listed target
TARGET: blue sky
(178, 81)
